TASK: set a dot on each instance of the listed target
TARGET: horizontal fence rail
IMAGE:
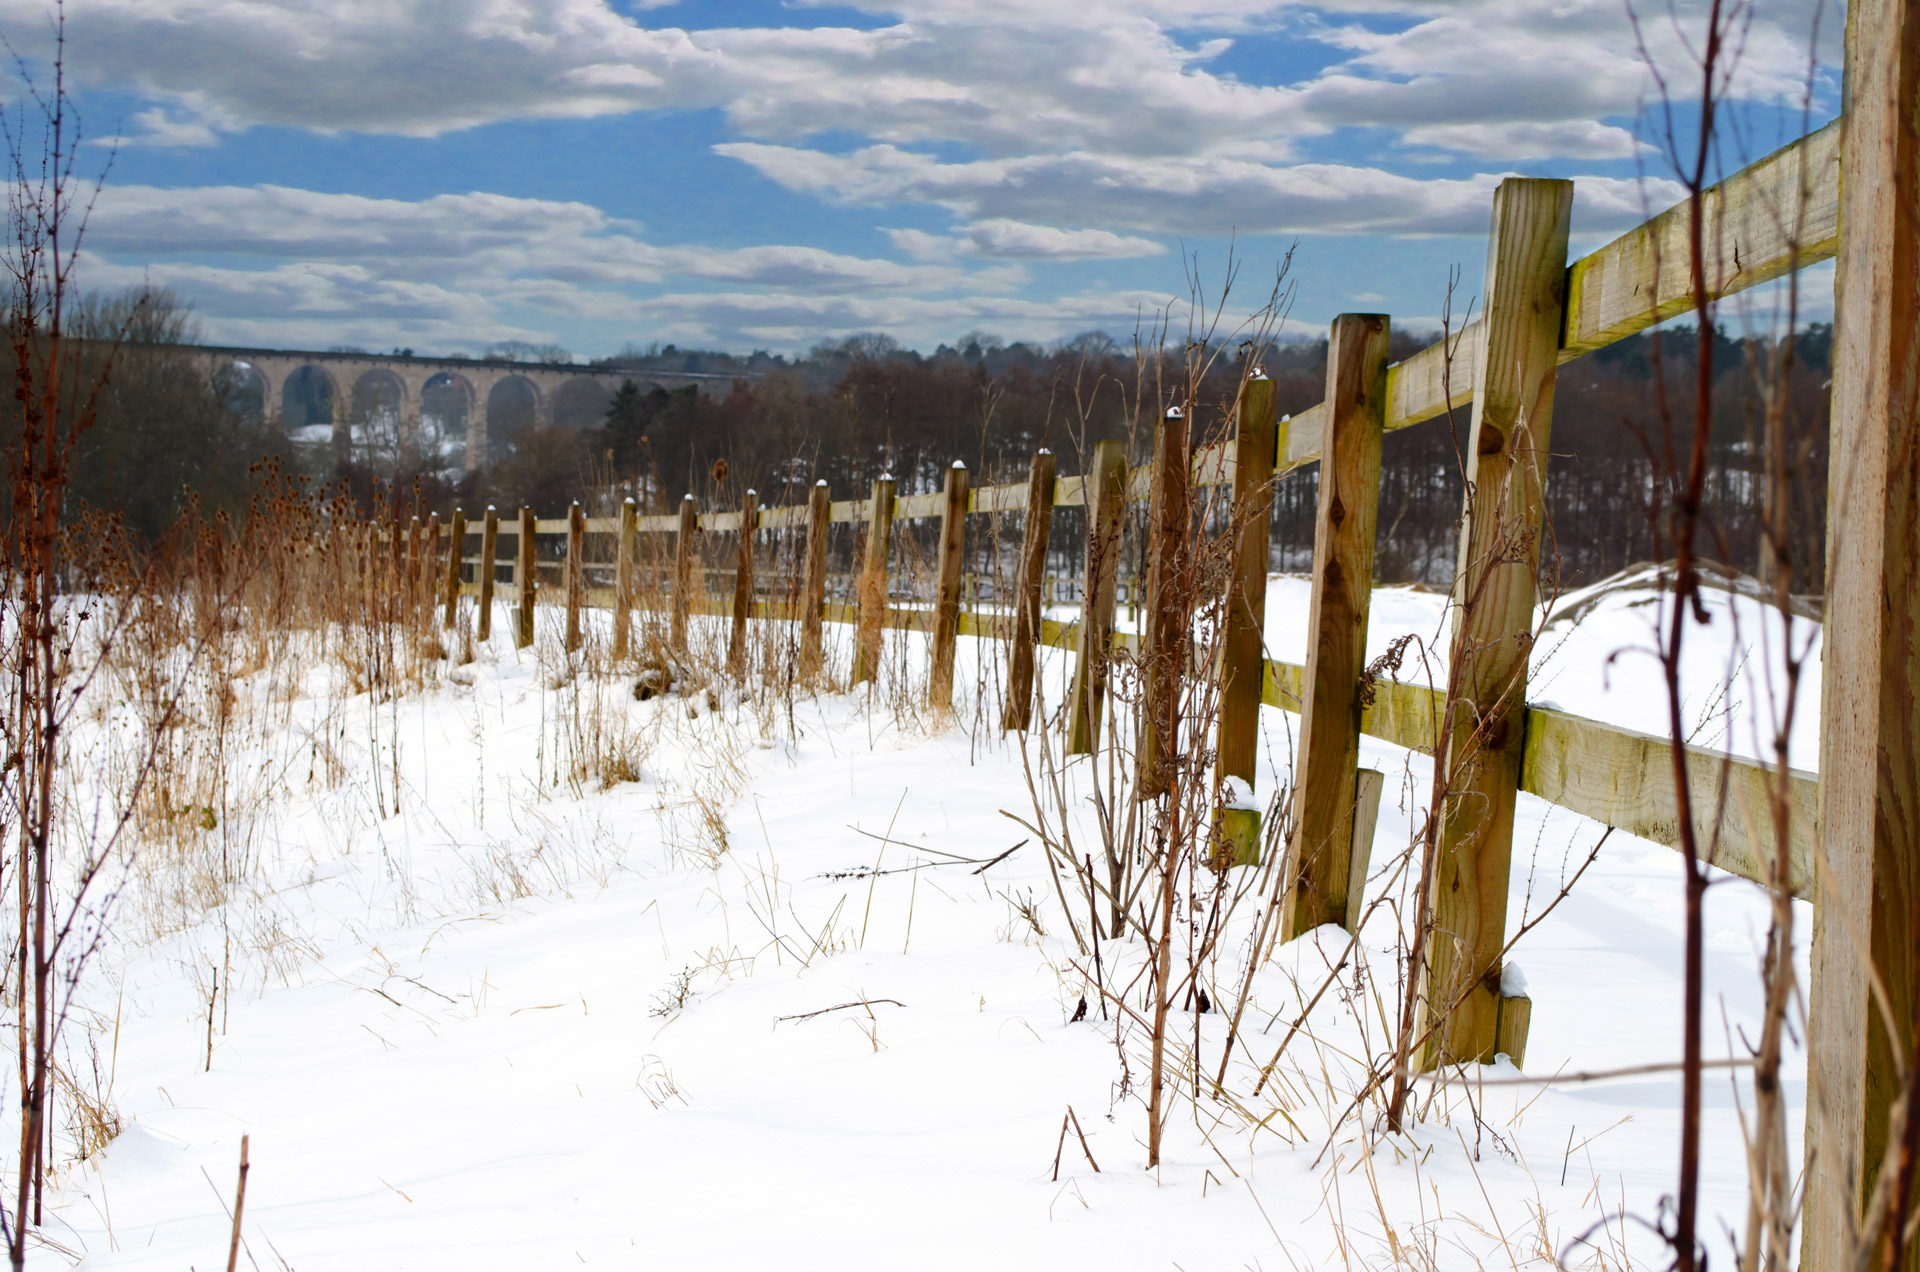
(1539, 311)
(1611, 774)
(1778, 214)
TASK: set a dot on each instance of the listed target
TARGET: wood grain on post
(623, 580)
(1368, 788)
(489, 549)
(684, 547)
(525, 563)
(576, 571)
(1869, 884)
(813, 590)
(1513, 377)
(873, 583)
(456, 549)
(1028, 605)
(946, 599)
(1243, 640)
(1106, 504)
(1320, 852)
(743, 584)
(1169, 532)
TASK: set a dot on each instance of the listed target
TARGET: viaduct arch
(450, 397)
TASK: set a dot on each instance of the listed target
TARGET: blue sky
(442, 174)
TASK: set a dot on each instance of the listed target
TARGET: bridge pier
(480, 377)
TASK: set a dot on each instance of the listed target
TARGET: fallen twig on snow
(858, 1002)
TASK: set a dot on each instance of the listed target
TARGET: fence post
(489, 548)
(873, 583)
(946, 601)
(1370, 784)
(1028, 609)
(683, 549)
(1485, 728)
(1321, 853)
(623, 580)
(743, 584)
(524, 569)
(1106, 503)
(1869, 754)
(457, 541)
(1243, 644)
(576, 571)
(813, 592)
(1165, 650)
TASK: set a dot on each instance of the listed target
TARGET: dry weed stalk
(1161, 896)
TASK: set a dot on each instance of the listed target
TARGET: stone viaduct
(475, 402)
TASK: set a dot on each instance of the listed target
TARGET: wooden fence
(1855, 834)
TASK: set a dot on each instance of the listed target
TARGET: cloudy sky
(742, 174)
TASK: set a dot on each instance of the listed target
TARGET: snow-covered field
(531, 1021)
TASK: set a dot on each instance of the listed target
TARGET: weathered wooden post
(1169, 533)
(1485, 728)
(489, 551)
(1028, 609)
(576, 571)
(684, 547)
(873, 583)
(1243, 643)
(457, 541)
(1867, 894)
(1320, 855)
(1368, 788)
(813, 591)
(623, 580)
(525, 566)
(1106, 503)
(743, 584)
(946, 614)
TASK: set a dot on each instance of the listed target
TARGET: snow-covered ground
(531, 1021)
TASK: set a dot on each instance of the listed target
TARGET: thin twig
(860, 1002)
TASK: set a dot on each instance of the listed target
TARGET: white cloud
(1573, 139)
(1000, 236)
(1010, 77)
(1180, 196)
(1047, 131)
(157, 128)
(480, 235)
(792, 320)
(457, 271)
(1018, 240)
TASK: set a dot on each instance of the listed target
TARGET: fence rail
(1778, 214)
(1610, 774)
(1539, 311)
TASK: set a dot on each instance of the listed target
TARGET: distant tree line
(850, 410)
(159, 434)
